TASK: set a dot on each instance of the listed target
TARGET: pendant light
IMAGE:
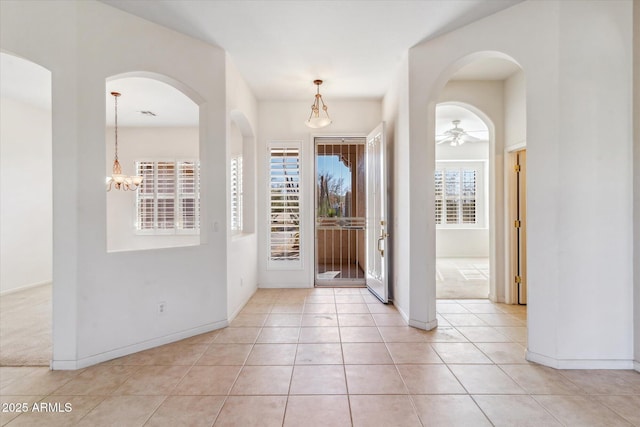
(118, 180)
(315, 121)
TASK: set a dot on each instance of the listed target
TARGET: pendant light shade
(316, 120)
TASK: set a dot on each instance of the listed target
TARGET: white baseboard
(67, 365)
(427, 326)
(285, 286)
(24, 288)
(579, 363)
(636, 365)
(403, 314)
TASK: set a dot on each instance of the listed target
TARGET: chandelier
(117, 179)
(315, 121)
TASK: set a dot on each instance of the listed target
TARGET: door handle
(381, 239)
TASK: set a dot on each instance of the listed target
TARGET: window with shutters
(459, 194)
(168, 200)
(236, 194)
(284, 205)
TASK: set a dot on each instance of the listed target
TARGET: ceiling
(281, 46)
(470, 122)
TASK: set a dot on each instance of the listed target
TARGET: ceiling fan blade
(470, 138)
(442, 141)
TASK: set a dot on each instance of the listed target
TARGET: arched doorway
(26, 217)
(462, 202)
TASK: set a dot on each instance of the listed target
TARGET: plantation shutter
(145, 196)
(236, 194)
(284, 203)
(468, 208)
(166, 196)
(187, 195)
(439, 194)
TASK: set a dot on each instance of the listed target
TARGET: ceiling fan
(456, 135)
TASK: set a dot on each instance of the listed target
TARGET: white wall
(395, 114)
(97, 296)
(143, 143)
(242, 261)
(515, 110)
(636, 178)
(577, 60)
(284, 121)
(25, 195)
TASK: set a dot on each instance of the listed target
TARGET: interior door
(376, 216)
(521, 278)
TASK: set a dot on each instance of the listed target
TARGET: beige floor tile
(378, 307)
(67, 411)
(430, 379)
(40, 381)
(460, 353)
(321, 291)
(272, 354)
(482, 308)
(515, 333)
(582, 411)
(444, 334)
(320, 299)
(370, 299)
(237, 335)
(450, 307)
(366, 354)
(442, 321)
(402, 334)
(512, 308)
(503, 352)
(355, 320)
(122, 411)
(319, 354)
(353, 308)
(11, 373)
(248, 319)
(225, 354)
(419, 353)
(348, 291)
(206, 338)
(263, 380)
(295, 308)
(500, 320)
(153, 380)
(317, 411)
(602, 381)
(360, 334)
(349, 299)
(279, 335)
(320, 319)
(176, 354)
(374, 379)
(485, 379)
(540, 379)
(457, 319)
(318, 379)
(319, 309)
(482, 334)
(256, 308)
(509, 411)
(625, 406)
(383, 411)
(449, 411)
(192, 411)
(388, 319)
(319, 334)
(279, 319)
(97, 380)
(207, 380)
(15, 406)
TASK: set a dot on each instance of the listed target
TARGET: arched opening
(491, 86)
(462, 202)
(158, 140)
(26, 215)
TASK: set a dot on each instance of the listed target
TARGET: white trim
(280, 285)
(427, 326)
(67, 365)
(24, 288)
(579, 363)
(241, 306)
(516, 147)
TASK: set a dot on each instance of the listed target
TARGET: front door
(377, 229)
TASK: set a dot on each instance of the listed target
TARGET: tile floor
(331, 357)
(458, 278)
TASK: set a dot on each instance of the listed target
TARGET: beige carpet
(461, 278)
(25, 327)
